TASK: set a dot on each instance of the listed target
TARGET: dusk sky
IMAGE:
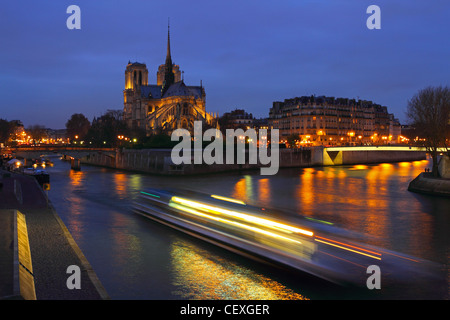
(247, 54)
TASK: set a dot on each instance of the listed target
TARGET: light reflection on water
(200, 275)
(138, 259)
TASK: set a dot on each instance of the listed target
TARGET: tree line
(110, 130)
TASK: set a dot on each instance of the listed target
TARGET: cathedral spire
(168, 56)
(169, 77)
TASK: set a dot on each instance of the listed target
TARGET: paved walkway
(52, 247)
(6, 253)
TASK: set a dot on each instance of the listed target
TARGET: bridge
(371, 154)
(70, 152)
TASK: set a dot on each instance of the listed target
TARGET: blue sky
(246, 53)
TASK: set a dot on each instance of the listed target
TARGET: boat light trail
(227, 199)
(351, 246)
(321, 221)
(348, 249)
(260, 221)
(149, 194)
(238, 224)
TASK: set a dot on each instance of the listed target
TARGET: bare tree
(116, 114)
(429, 113)
(77, 126)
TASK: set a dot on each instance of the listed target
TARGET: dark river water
(136, 258)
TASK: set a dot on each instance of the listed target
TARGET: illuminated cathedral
(167, 105)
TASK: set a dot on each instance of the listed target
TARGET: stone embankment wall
(427, 184)
(444, 167)
(158, 161)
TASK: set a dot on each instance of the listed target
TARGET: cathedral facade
(167, 105)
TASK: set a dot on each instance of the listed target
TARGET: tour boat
(41, 175)
(314, 246)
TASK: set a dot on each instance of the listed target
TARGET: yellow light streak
(348, 249)
(241, 225)
(227, 199)
(349, 245)
(256, 220)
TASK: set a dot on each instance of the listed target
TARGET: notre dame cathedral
(166, 106)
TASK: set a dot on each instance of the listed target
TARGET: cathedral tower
(136, 74)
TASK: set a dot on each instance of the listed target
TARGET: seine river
(136, 258)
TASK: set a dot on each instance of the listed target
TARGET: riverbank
(426, 183)
(52, 248)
